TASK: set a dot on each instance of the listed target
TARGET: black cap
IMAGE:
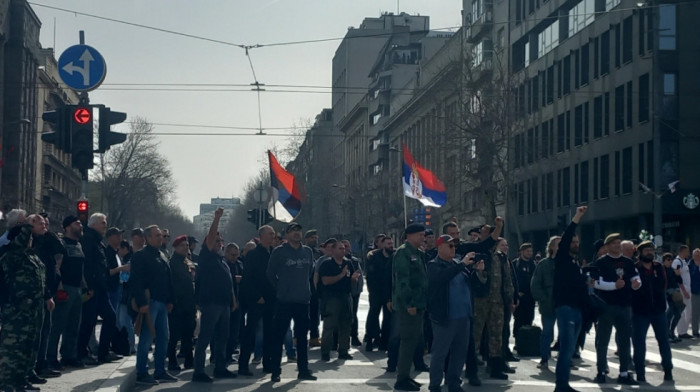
(429, 232)
(192, 240)
(293, 226)
(310, 233)
(330, 241)
(414, 228)
(137, 231)
(113, 231)
(476, 230)
(67, 221)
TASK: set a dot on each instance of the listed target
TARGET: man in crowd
(258, 298)
(166, 241)
(289, 270)
(192, 241)
(449, 298)
(618, 278)
(542, 289)
(355, 291)
(14, 217)
(409, 301)
(524, 269)
(235, 265)
(694, 269)
(649, 308)
(216, 300)
(181, 320)
(115, 265)
(378, 267)
(570, 297)
(23, 313)
(138, 242)
(152, 289)
(430, 247)
(681, 263)
(65, 319)
(48, 247)
(96, 273)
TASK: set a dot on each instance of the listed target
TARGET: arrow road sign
(82, 68)
(81, 115)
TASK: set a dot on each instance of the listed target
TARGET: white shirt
(685, 271)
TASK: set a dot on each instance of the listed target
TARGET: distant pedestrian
(182, 319)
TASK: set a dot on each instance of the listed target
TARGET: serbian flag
(285, 203)
(421, 184)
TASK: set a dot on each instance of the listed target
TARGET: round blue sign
(82, 67)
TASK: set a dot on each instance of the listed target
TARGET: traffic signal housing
(253, 216)
(106, 137)
(82, 136)
(83, 209)
(60, 135)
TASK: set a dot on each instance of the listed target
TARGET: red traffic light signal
(82, 206)
(83, 211)
(82, 115)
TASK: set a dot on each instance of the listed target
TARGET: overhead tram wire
(319, 40)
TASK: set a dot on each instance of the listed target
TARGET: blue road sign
(82, 68)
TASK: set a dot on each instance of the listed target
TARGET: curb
(122, 379)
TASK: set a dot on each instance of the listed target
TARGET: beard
(646, 259)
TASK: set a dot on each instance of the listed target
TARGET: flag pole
(405, 214)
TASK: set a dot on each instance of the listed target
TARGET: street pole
(657, 90)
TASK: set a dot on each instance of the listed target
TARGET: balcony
(482, 24)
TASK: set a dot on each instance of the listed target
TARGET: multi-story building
(605, 109)
(19, 59)
(57, 186)
(203, 221)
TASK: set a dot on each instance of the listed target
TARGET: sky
(187, 85)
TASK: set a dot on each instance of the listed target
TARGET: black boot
(497, 369)
(504, 366)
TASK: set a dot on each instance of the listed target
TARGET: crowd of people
(435, 293)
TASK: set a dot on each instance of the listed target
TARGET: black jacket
(650, 299)
(95, 269)
(150, 271)
(213, 283)
(509, 289)
(183, 293)
(570, 287)
(254, 283)
(524, 269)
(378, 271)
(440, 273)
(113, 281)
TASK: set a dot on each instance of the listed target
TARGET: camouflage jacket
(24, 275)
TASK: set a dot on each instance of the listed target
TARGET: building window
(610, 4)
(584, 182)
(605, 176)
(620, 108)
(559, 182)
(596, 184)
(617, 173)
(577, 184)
(618, 45)
(567, 74)
(478, 53)
(545, 139)
(530, 146)
(667, 27)
(550, 84)
(577, 69)
(581, 16)
(606, 114)
(550, 191)
(627, 40)
(517, 151)
(568, 130)
(521, 199)
(578, 126)
(535, 93)
(605, 53)
(644, 98)
(627, 175)
(585, 64)
(561, 133)
(534, 196)
(566, 186)
(640, 163)
(560, 83)
(669, 84)
(596, 57)
(641, 33)
(629, 104)
(527, 53)
(598, 117)
(549, 38)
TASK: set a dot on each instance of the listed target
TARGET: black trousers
(234, 330)
(98, 305)
(525, 312)
(314, 316)
(285, 312)
(254, 314)
(182, 324)
(372, 329)
(354, 330)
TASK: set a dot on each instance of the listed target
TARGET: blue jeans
(640, 327)
(159, 316)
(449, 340)
(547, 335)
(569, 321)
(124, 321)
(115, 297)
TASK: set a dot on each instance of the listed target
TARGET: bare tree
(135, 182)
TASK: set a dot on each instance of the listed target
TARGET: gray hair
(148, 230)
(94, 218)
(15, 216)
(264, 228)
(231, 245)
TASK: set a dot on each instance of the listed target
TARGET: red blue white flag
(285, 203)
(420, 183)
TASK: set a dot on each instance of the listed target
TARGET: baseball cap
(67, 221)
(112, 231)
(444, 239)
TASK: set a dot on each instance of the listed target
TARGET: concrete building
(605, 103)
(57, 185)
(19, 109)
(203, 221)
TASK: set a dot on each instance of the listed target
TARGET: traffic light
(253, 216)
(428, 217)
(107, 138)
(82, 136)
(83, 208)
(267, 218)
(60, 136)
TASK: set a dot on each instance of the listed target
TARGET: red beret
(180, 239)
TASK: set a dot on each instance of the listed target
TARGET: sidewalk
(119, 376)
